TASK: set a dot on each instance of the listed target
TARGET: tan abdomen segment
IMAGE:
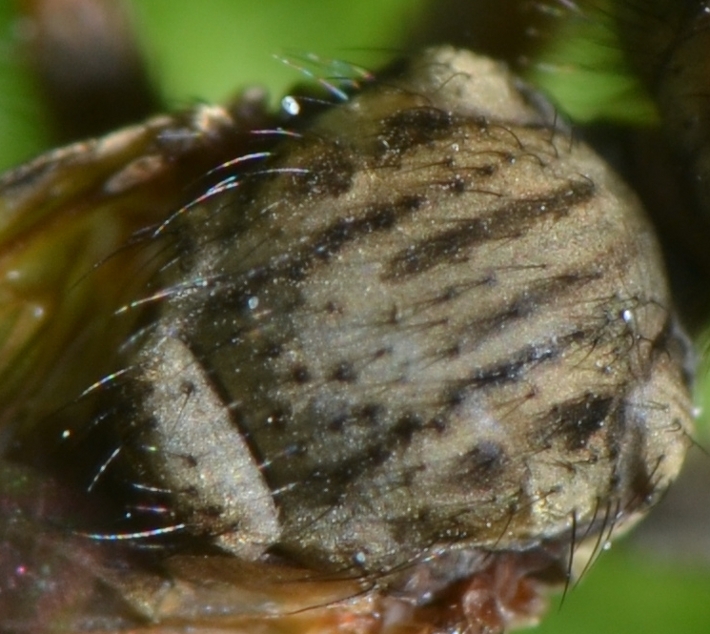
(437, 321)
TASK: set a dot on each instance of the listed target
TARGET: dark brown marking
(339, 475)
(509, 370)
(189, 460)
(375, 454)
(622, 431)
(273, 350)
(671, 341)
(643, 487)
(332, 308)
(329, 172)
(457, 184)
(455, 396)
(214, 511)
(344, 372)
(537, 295)
(438, 424)
(406, 427)
(375, 217)
(635, 473)
(295, 270)
(481, 466)
(187, 388)
(452, 351)
(301, 374)
(411, 128)
(578, 420)
(337, 422)
(297, 265)
(372, 414)
(511, 220)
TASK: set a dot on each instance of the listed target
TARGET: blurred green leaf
(204, 50)
(626, 592)
(23, 129)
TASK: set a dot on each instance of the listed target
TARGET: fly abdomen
(430, 317)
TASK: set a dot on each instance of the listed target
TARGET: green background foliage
(205, 51)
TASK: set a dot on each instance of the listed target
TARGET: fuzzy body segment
(437, 322)
(407, 360)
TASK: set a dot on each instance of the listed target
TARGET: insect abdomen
(432, 321)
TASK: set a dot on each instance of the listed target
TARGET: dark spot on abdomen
(481, 466)
(410, 128)
(510, 220)
(578, 420)
(328, 171)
